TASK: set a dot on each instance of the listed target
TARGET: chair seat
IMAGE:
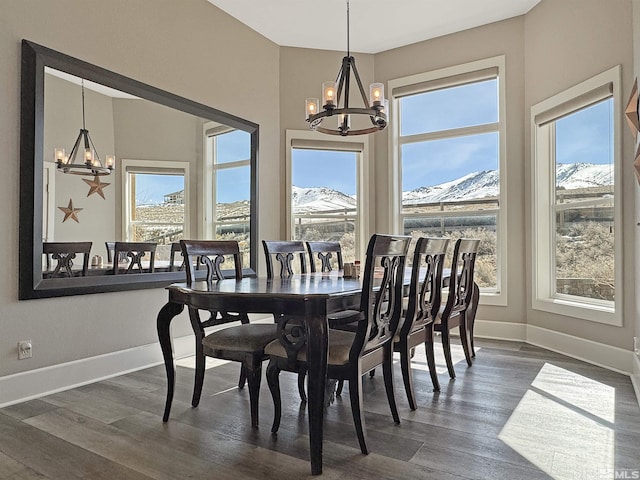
(242, 338)
(344, 317)
(339, 347)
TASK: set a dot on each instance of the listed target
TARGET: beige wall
(188, 48)
(567, 42)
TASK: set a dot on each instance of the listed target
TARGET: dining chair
(423, 305)
(328, 253)
(64, 253)
(110, 246)
(175, 249)
(284, 252)
(460, 293)
(242, 343)
(350, 355)
(133, 253)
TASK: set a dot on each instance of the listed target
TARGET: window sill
(592, 312)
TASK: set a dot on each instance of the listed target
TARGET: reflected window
(156, 203)
(228, 187)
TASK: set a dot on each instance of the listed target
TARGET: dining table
(307, 298)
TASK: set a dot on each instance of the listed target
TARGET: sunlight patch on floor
(190, 362)
(563, 425)
(419, 360)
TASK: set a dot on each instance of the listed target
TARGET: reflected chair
(461, 288)
(134, 253)
(351, 355)
(425, 294)
(110, 247)
(176, 248)
(242, 343)
(64, 253)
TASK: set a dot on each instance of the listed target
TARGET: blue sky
(581, 137)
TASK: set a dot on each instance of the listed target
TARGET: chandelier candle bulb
(110, 161)
(59, 154)
(328, 94)
(312, 107)
(376, 93)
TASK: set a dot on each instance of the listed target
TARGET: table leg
(317, 343)
(165, 316)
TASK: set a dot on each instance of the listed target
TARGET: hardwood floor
(520, 412)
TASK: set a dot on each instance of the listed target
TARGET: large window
(576, 207)
(326, 191)
(156, 203)
(449, 155)
(228, 186)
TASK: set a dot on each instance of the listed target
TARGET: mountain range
(472, 186)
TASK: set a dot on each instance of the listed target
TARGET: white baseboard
(515, 332)
(37, 383)
(612, 358)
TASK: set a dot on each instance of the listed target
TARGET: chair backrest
(212, 254)
(325, 252)
(64, 253)
(284, 251)
(176, 248)
(110, 246)
(134, 252)
(382, 290)
(425, 290)
(461, 278)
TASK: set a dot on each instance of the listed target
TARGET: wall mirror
(182, 170)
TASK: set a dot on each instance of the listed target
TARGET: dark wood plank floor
(520, 412)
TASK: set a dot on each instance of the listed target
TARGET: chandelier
(335, 94)
(92, 164)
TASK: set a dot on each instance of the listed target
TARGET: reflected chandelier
(332, 95)
(92, 165)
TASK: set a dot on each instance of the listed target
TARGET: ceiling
(374, 25)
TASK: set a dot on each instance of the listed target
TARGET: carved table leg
(317, 343)
(165, 316)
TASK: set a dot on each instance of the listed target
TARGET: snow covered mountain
(472, 186)
(319, 199)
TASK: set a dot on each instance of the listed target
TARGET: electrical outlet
(24, 349)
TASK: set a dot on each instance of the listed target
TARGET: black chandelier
(92, 165)
(332, 96)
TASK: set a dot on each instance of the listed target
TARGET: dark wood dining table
(309, 297)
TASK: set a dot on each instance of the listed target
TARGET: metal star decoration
(96, 186)
(70, 212)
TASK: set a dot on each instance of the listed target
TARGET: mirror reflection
(149, 169)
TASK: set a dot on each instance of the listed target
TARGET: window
(326, 188)
(228, 177)
(156, 203)
(576, 207)
(449, 161)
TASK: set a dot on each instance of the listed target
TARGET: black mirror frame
(30, 282)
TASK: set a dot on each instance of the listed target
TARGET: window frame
(543, 115)
(316, 141)
(153, 167)
(435, 80)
